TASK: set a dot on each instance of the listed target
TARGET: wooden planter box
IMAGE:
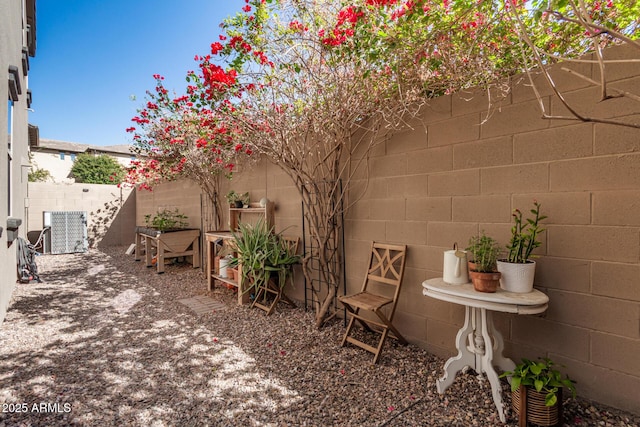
(167, 244)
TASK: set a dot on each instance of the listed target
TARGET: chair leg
(376, 355)
(257, 297)
(346, 334)
(354, 314)
(393, 329)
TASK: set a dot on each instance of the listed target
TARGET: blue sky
(93, 56)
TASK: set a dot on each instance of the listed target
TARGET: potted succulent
(518, 269)
(483, 273)
(237, 200)
(536, 391)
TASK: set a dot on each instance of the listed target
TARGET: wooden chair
(386, 270)
(270, 293)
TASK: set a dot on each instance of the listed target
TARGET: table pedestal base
(479, 346)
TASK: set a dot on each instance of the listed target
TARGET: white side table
(474, 339)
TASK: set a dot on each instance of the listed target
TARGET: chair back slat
(386, 264)
(292, 243)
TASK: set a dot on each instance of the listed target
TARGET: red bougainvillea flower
(216, 47)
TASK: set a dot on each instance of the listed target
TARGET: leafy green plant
(102, 169)
(485, 251)
(542, 376)
(167, 220)
(39, 175)
(262, 254)
(524, 235)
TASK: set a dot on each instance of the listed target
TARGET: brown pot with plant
(485, 251)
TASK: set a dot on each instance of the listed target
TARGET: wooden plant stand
(271, 289)
(169, 244)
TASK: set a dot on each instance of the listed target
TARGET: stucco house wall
(17, 32)
(58, 157)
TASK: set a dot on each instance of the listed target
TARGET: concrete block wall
(182, 195)
(461, 171)
(463, 175)
(110, 210)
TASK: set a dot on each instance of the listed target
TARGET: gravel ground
(104, 341)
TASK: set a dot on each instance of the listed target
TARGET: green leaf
(538, 385)
(550, 399)
(537, 368)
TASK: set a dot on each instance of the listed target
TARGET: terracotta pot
(485, 282)
(472, 266)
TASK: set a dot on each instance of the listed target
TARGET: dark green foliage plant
(102, 169)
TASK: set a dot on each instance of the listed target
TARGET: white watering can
(454, 270)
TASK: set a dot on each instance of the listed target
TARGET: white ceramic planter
(516, 277)
(223, 271)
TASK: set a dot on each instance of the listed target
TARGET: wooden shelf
(224, 280)
(260, 210)
(254, 211)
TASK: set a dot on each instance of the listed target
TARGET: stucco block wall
(111, 211)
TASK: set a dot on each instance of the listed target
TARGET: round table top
(530, 303)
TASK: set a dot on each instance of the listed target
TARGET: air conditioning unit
(67, 232)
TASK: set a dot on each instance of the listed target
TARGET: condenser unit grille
(68, 231)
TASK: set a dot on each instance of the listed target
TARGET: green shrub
(102, 169)
(39, 175)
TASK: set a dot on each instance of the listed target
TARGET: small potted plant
(518, 269)
(537, 387)
(237, 200)
(483, 273)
